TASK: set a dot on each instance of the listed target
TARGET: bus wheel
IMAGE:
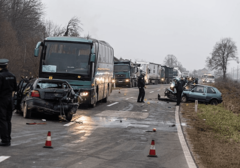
(105, 99)
(95, 101)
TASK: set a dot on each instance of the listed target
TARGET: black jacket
(141, 81)
(179, 86)
(8, 84)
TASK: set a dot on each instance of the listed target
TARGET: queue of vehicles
(75, 70)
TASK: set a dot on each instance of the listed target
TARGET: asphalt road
(111, 135)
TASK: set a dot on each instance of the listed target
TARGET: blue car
(202, 93)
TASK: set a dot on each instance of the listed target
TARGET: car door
(198, 93)
(211, 93)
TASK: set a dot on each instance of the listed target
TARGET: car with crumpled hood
(54, 97)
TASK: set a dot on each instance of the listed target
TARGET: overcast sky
(152, 29)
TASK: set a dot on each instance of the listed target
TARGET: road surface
(111, 135)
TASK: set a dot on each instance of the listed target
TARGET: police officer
(179, 88)
(141, 86)
(8, 84)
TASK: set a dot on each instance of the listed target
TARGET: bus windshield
(212, 77)
(62, 57)
(119, 68)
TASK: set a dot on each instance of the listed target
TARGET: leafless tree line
(171, 61)
(22, 26)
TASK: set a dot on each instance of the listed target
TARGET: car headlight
(127, 80)
(84, 93)
(113, 81)
(162, 79)
(172, 85)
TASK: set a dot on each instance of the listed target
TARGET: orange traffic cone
(48, 143)
(152, 152)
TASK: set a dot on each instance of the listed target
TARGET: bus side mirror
(93, 57)
(36, 51)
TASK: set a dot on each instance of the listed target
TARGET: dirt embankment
(214, 131)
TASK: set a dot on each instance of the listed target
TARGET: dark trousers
(179, 95)
(141, 94)
(5, 119)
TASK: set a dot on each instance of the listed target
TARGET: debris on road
(36, 123)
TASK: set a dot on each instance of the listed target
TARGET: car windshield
(46, 85)
(63, 57)
(119, 68)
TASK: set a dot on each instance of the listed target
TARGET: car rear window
(210, 90)
(45, 85)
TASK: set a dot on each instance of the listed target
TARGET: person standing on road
(179, 88)
(8, 84)
(141, 86)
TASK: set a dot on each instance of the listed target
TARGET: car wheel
(214, 102)
(26, 113)
(69, 116)
(184, 99)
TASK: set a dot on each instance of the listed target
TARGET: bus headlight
(84, 93)
(127, 80)
(113, 81)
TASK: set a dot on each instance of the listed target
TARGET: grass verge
(214, 133)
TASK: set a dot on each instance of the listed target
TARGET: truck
(167, 74)
(125, 73)
(185, 74)
(152, 71)
(176, 73)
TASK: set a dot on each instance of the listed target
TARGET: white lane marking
(158, 89)
(112, 104)
(131, 97)
(127, 98)
(67, 125)
(2, 158)
(187, 154)
(151, 92)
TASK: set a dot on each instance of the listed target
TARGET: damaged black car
(54, 97)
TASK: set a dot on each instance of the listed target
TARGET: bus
(86, 64)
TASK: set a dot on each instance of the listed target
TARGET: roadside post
(114, 84)
(196, 105)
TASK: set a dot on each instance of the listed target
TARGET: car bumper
(48, 107)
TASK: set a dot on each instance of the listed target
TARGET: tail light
(35, 93)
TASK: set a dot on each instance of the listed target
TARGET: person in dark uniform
(8, 84)
(141, 86)
(179, 88)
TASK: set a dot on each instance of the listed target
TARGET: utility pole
(237, 73)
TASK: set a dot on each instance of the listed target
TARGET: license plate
(120, 81)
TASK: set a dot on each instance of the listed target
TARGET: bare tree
(73, 27)
(24, 16)
(223, 52)
(52, 29)
(171, 61)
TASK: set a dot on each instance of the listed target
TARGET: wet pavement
(116, 134)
